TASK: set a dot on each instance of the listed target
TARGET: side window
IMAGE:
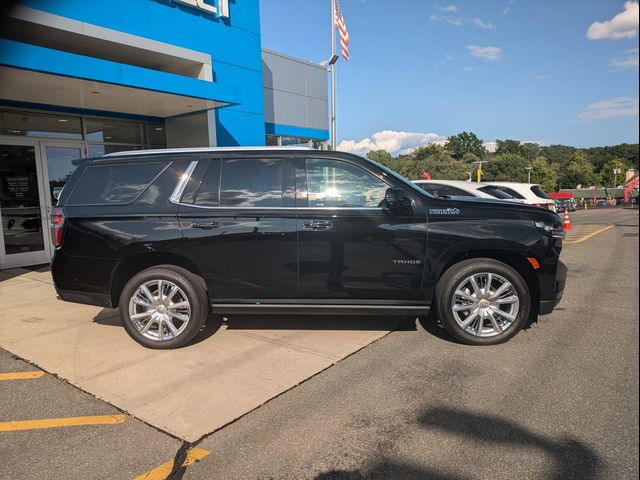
(494, 192)
(114, 184)
(460, 193)
(510, 191)
(208, 193)
(253, 183)
(438, 190)
(332, 183)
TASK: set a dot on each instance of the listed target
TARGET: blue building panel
(233, 43)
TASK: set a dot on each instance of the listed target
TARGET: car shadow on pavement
(571, 459)
(319, 322)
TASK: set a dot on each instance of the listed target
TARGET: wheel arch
(515, 260)
(133, 264)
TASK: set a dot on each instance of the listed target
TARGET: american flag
(342, 30)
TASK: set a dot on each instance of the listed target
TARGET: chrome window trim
(182, 184)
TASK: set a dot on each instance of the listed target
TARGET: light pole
(616, 171)
(479, 172)
(528, 169)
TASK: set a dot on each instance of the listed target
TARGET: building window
(102, 135)
(30, 124)
(279, 140)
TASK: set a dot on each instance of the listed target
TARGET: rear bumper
(87, 298)
(552, 297)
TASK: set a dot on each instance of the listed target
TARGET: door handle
(205, 225)
(317, 225)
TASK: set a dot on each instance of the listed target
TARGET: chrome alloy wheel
(159, 310)
(485, 304)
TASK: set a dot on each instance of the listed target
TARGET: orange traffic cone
(567, 222)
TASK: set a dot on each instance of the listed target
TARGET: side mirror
(397, 200)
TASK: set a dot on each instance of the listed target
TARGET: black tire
(456, 274)
(192, 287)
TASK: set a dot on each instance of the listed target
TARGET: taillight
(57, 226)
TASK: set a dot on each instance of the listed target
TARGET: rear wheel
(163, 307)
(483, 301)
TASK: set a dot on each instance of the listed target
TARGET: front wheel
(163, 307)
(482, 301)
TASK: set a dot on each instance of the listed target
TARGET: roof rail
(203, 150)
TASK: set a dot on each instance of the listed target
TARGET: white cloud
(394, 142)
(629, 60)
(485, 53)
(542, 77)
(449, 8)
(623, 25)
(458, 21)
(469, 69)
(609, 109)
(507, 9)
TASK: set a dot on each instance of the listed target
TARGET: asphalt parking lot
(558, 401)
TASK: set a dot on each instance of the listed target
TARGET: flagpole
(333, 75)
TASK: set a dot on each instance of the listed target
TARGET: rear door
(350, 248)
(238, 220)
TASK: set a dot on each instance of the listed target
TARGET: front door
(24, 239)
(351, 249)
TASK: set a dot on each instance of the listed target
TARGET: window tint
(109, 184)
(252, 183)
(461, 193)
(539, 192)
(437, 190)
(332, 183)
(510, 191)
(494, 192)
(208, 193)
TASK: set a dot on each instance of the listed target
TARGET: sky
(548, 71)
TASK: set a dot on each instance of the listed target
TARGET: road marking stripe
(21, 375)
(588, 236)
(162, 471)
(61, 422)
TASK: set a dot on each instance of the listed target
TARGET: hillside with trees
(554, 167)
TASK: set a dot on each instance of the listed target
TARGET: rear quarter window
(539, 192)
(114, 184)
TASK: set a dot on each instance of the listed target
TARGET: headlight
(553, 229)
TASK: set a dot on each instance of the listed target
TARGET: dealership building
(81, 78)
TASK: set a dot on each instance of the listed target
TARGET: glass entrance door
(24, 239)
(59, 163)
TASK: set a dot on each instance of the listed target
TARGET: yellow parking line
(589, 235)
(162, 471)
(61, 422)
(21, 375)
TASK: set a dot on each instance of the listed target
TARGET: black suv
(168, 234)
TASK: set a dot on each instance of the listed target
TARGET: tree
(529, 150)
(545, 174)
(380, 156)
(463, 143)
(558, 155)
(579, 171)
(506, 168)
(607, 177)
(508, 146)
(443, 167)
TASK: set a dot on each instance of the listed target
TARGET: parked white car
(460, 188)
(530, 193)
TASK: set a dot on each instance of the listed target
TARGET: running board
(319, 309)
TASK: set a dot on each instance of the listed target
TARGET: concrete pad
(188, 392)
